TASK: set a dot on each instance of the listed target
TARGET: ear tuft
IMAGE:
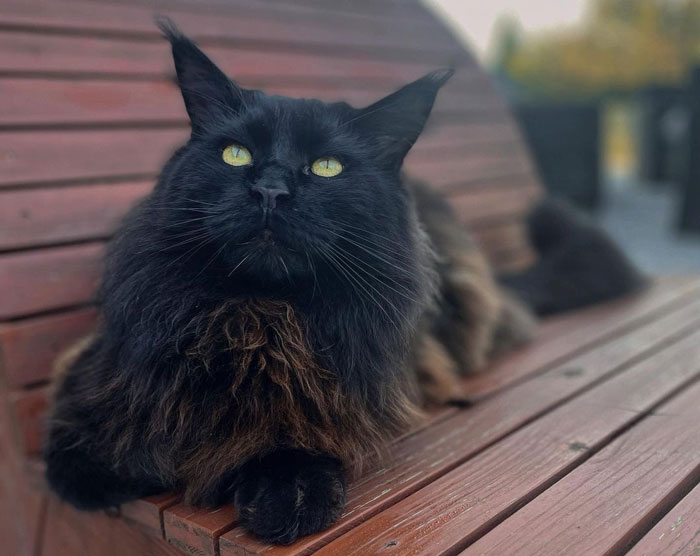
(168, 28)
(208, 94)
(397, 120)
(441, 76)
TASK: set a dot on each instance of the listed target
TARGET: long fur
(257, 356)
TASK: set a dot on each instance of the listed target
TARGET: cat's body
(264, 327)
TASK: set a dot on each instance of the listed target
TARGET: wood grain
(421, 458)
(677, 533)
(579, 330)
(48, 216)
(28, 347)
(49, 279)
(453, 511)
(604, 503)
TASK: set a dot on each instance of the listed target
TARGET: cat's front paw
(289, 494)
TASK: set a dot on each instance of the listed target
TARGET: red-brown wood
(677, 533)
(33, 217)
(578, 331)
(197, 531)
(28, 347)
(453, 511)
(427, 455)
(52, 102)
(48, 278)
(601, 507)
(80, 155)
(384, 37)
(147, 513)
(28, 407)
(68, 532)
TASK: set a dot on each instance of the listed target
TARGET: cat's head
(281, 190)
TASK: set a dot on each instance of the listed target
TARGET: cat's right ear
(208, 94)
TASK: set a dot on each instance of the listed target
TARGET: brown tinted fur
(473, 319)
(277, 395)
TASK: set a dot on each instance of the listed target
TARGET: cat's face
(281, 190)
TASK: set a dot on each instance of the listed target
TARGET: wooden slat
(677, 533)
(69, 531)
(197, 531)
(59, 156)
(453, 511)
(508, 196)
(581, 329)
(48, 279)
(147, 513)
(421, 458)
(29, 347)
(357, 11)
(41, 102)
(39, 53)
(604, 504)
(28, 408)
(46, 216)
(80, 155)
(305, 34)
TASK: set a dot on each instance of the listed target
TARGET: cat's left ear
(208, 93)
(397, 120)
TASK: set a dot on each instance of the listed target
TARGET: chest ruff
(277, 394)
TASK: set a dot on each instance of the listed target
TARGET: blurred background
(607, 95)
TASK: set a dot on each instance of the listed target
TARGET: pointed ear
(397, 120)
(208, 93)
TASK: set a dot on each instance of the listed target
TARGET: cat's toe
(281, 503)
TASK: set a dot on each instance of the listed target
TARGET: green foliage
(623, 46)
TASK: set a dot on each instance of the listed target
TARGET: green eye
(327, 167)
(237, 155)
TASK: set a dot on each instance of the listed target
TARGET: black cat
(274, 310)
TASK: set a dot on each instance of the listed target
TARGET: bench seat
(586, 441)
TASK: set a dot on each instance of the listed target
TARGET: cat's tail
(578, 264)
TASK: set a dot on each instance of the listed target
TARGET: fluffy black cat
(280, 305)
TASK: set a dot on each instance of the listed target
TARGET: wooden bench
(601, 405)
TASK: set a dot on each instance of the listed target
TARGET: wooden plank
(48, 279)
(604, 504)
(82, 155)
(29, 408)
(451, 173)
(43, 102)
(48, 216)
(69, 531)
(421, 458)
(22, 505)
(581, 329)
(453, 511)
(76, 156)
(147, 513)
(677, 533)
(385, 37)
(197, 531)
(477, 204)
(40, 53)
(29, 347)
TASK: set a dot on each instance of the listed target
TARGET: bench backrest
(89, 113)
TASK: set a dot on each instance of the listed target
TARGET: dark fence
(565, 142)
(690, 210)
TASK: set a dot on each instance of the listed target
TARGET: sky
(474, 19)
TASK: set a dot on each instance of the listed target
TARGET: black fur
(578, 264)
(345, 252)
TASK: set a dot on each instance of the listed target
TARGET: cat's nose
(268, 195)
